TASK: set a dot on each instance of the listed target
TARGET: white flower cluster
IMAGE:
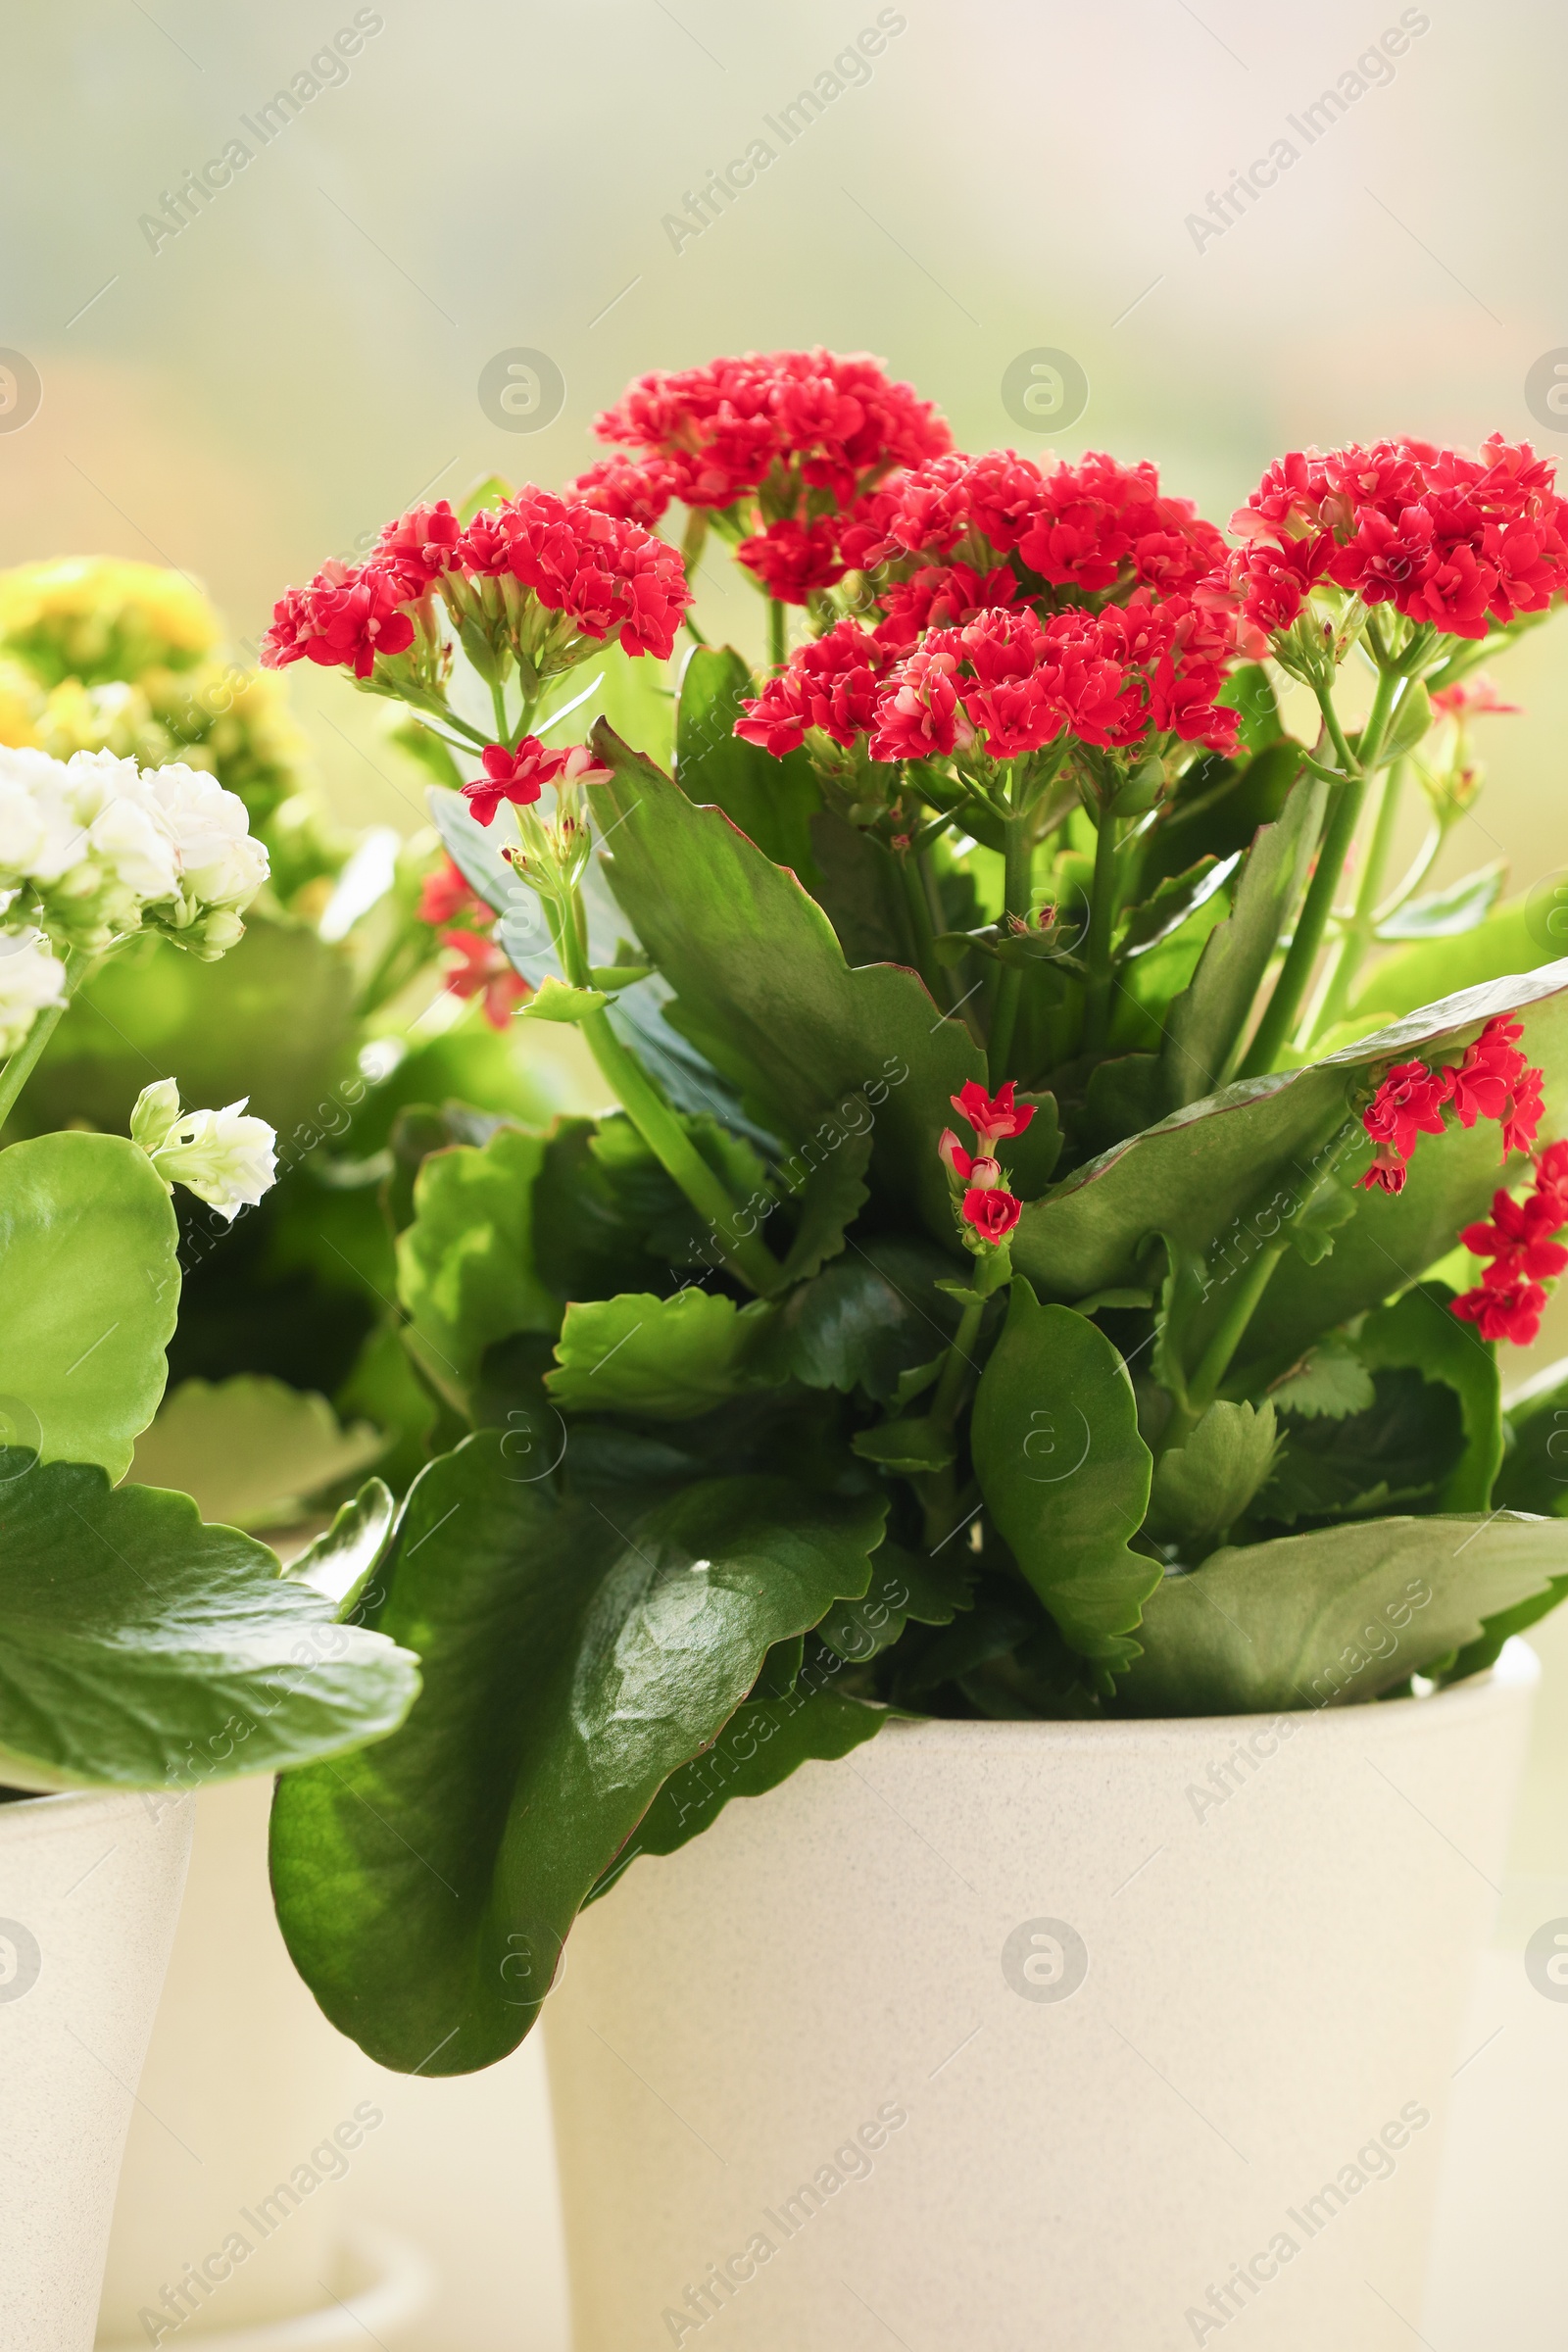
(224, 1157)
(30, 977)
(94, 848)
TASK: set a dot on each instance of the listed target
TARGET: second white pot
(90, 1893)
(1108, 2037)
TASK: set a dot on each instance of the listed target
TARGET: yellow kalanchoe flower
(98, 617)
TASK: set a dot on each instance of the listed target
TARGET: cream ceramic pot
(90, 1893)
(1112, 2037)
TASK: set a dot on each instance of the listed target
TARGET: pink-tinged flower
(446, 894)
(832, 683)
(1407, 1104)
(346, 618)
(480, 968)
(918, 717)
(1473, 698)
(419, 546)
(1387, 1172)
(992, 1212)
(953, 1157)
(632, 491)
(1511, 1314)
(994, 1118)
(520, 776)
(941, 596)
(790, 558)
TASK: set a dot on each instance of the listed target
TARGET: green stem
(778, 626)
(19, 1067)
(917, 894)
(959, 1360)
(498, 703)
(746, 1254)
(1215, 1361)
(1017, 892)
(1102, 923)
(1278, 1024)
(1358, 931)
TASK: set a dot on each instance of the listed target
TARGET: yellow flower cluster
(101, 619)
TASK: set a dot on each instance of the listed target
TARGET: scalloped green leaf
(465, 1266)
(737, 937)
(772, 801)
(251, 1451)
(89, 1292)
(1333, 1617)
(1065, 1474)
(571, 1665)
(144, 1650)
(667, 1360)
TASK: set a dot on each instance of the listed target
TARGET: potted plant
(1036, 1308)
(143, 1652)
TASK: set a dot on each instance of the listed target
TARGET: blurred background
(240, 378)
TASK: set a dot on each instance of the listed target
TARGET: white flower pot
(89, 1893)
(1114, 2037)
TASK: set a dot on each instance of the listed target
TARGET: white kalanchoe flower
(30, 977)
(224, 1157)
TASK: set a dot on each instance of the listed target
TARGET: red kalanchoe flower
(790, 558)
(994, 1118)
(1512, 1313)
(1407, 1104)
(941, 596)
(482, 969)
(992, 1211)
(1387, 1173)
(419, 546)
(446, 894)
(918, 716)
(520, 776)
(604, 573)
(1495, 1081)
(1473, 698)
(1519, 1239)
(344, 619)
(958, 1163)
(632, 491)
(834, 683)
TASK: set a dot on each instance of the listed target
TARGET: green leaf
(570, 1666)
(772, 801)
(1250, 690)
(1064, 1472)
(905, 1587)
(466, 1269)
(89, 1291)
(1331, 1380)
(554, 1000)
(1202, 1486)
(489, 491)
(1172, 902)
(1512, 938)
(1421, 1334)
(1534, 1476)
(833, 1196)
(1333, 1617)
(1219, 807)
(1206, 1024)
(1312, 1231)
(342, 1560)
(1349, 1466)
(866, 1320)
(144, 1650)
(251, 1451)
(1029, 1160)
(1446, 914)
(763, 1741)
(668, 1360)
(736, 937)
(861, 889)
(909, 1446)
(1201, 1169)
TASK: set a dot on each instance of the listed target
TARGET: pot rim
(60, 1808)
(1514, 1675)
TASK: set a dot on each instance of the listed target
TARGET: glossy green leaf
(1446, 914)
(466, 1268)
(667, 1360)
(1204, 1485)
(1398, 1449)
(1339, 1615)
(340, 1563)
(1421, 1333)
(1534, 1476)
(871, 1316)
(1064, 1473)
(923, 1588)
(571, 1665)
(913, 1445)
(144, 1650)
(251, 1451)
(1330, 1379)
(1513, 939)
(862, 891)
(738, 938)
(773, 801)
(89, 1291)
(1206, 1025)
(831, 1198)
(553, 1001)
(1250, 690)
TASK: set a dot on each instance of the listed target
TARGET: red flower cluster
(1521, 1243)
(837, 419)
(1003, 676)
(1093, 528)
(1463, 542)
(520, 776)
(446, 895)
(986, 1203)
(607, 574)
(1494, 1081)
